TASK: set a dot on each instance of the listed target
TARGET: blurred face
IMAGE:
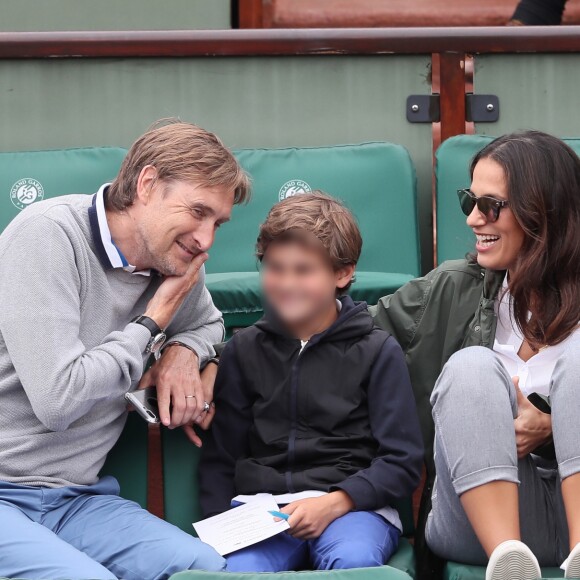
(176, 221)
(300, 283)
(497, 243)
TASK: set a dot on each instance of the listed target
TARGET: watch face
(157, 342)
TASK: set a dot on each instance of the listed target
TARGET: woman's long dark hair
(543, 180)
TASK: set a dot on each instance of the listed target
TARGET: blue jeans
(91, 532)
(474, 407)
(356, 540)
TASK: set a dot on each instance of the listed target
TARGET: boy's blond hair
(314, 215)
(179, 151)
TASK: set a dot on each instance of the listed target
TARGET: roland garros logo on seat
(25, 192)
(293, 187)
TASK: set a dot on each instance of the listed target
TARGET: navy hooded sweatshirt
(337, 414)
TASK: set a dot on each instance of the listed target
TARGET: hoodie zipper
(293, 420)
(294, 407)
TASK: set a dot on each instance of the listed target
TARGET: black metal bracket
(481, 108)
(423, 108)
(478, 108)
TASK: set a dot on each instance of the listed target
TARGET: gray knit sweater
(68, 352)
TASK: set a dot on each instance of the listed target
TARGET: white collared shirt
(114, 254)
(536, 373)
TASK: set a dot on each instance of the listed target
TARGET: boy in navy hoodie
(313, 400)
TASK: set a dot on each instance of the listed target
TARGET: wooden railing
(354, 41)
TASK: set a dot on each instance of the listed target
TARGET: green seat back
(127, 461)
(29, 176)
(239, 294)
(375, 180)
(454, 238)
(181, 494)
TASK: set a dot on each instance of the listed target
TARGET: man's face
(176, 221)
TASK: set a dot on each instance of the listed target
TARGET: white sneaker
(512, 560)
(572, 564)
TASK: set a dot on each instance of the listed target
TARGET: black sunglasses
(488, 206)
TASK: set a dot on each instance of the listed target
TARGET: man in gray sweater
(89, 288)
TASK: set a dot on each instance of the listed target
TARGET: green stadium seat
(180, 461)
(454, 241)
(29, 176)
(382, 177)
(454, 238)
(383, 573)
(375, 180)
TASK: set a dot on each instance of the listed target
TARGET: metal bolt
(415, 108)
(490, 107)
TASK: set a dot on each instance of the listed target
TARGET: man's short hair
(179, 151)
(317, 216)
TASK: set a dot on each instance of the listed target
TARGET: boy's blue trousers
(356, 540)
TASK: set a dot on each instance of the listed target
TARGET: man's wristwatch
(158, 336)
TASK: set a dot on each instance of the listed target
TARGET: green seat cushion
(29, 176)
(382, 573)
(454, 238)
(404, 558)
(238, 294)
(455, 571)
(370, 286)
(400, 567)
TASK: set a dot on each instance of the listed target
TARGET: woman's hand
(533, 428)
(205, 418)
(310, 517)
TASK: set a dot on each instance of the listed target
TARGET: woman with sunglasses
(497, 335)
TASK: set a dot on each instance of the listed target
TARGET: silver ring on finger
(190, 396)
(206, 407)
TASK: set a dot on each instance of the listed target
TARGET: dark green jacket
(432, 317)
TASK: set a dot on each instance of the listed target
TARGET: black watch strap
(149, 324)
(157, 335)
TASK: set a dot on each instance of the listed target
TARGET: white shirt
(113, 253)
(536, 373)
